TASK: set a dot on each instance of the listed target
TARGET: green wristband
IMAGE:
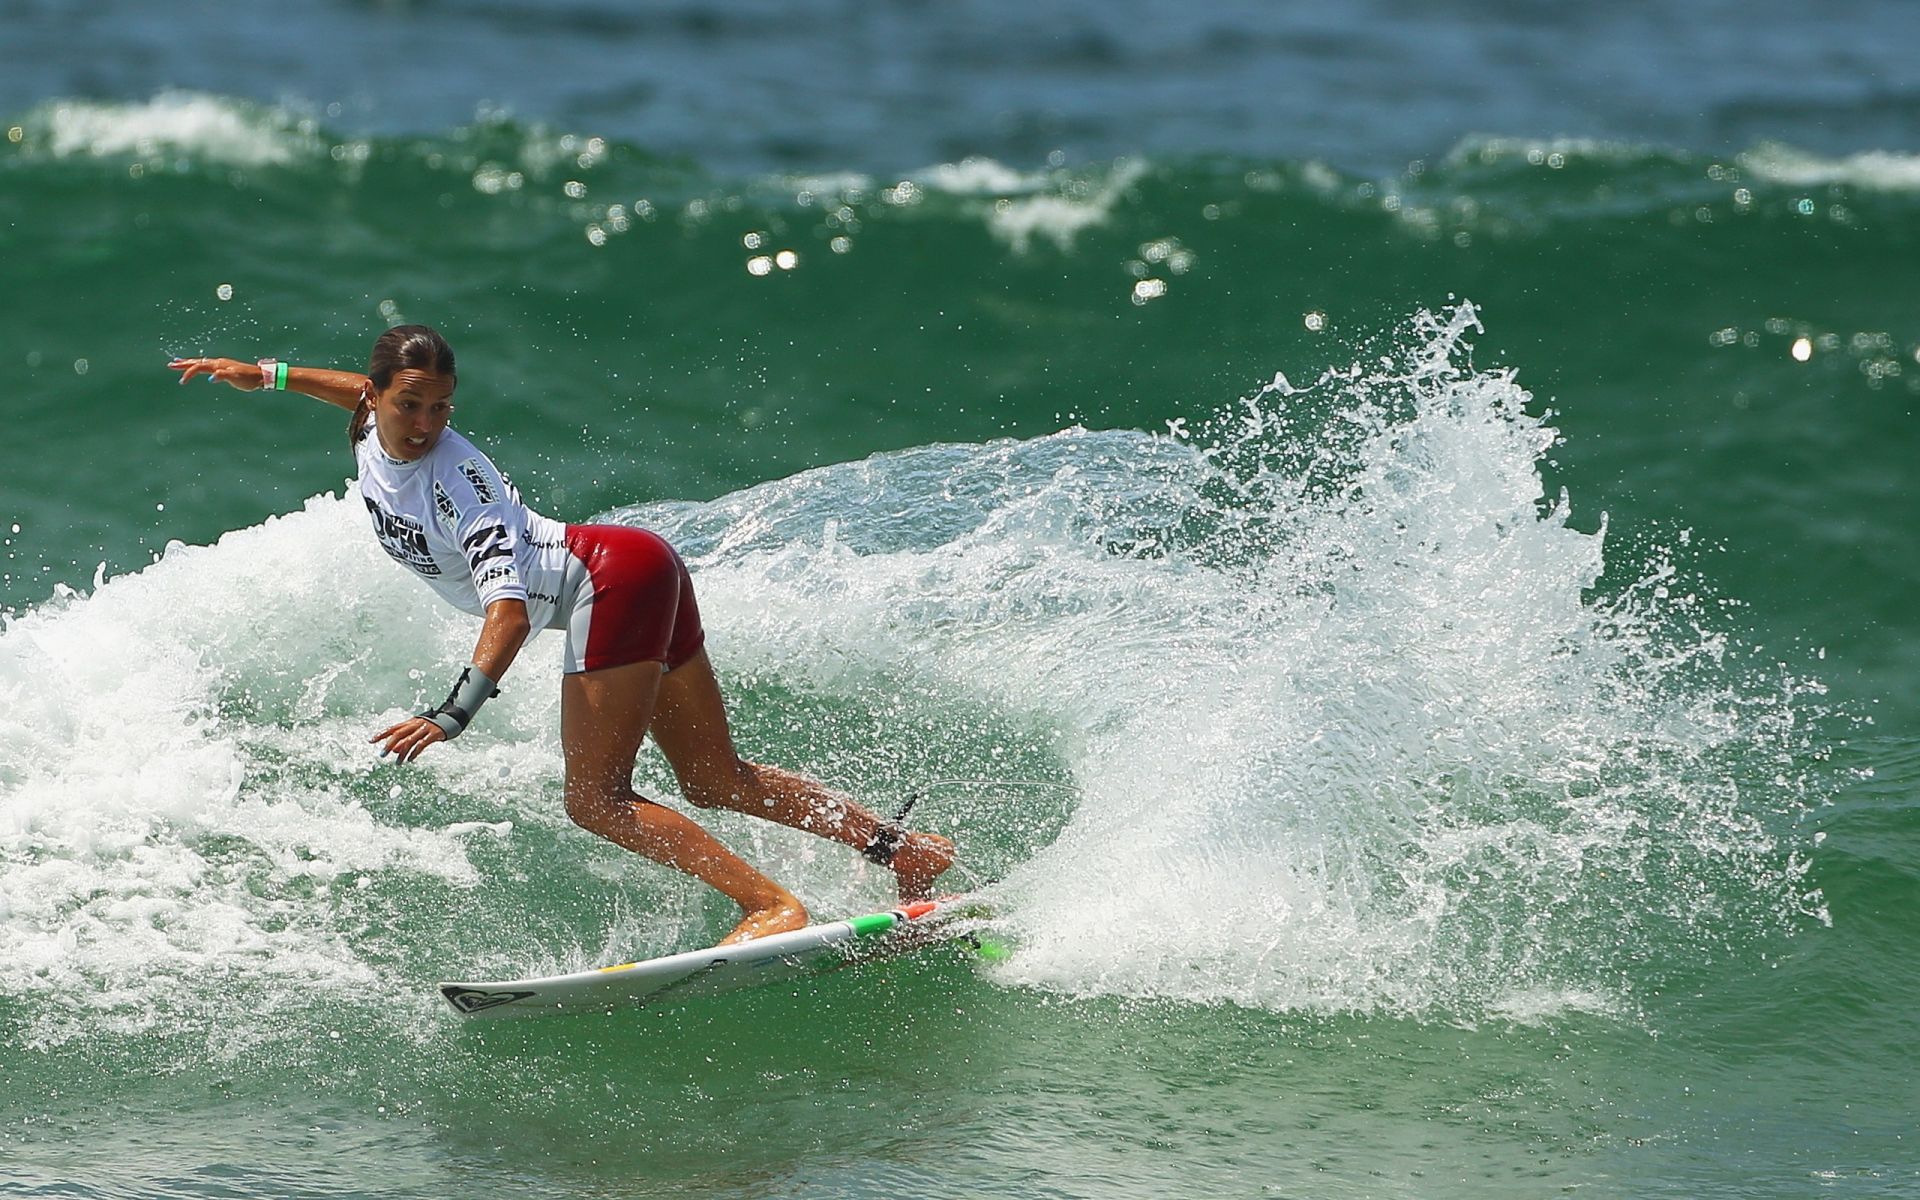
(280, 377)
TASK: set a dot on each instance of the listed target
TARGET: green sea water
(1462, 615)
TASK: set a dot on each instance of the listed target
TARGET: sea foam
(210, 129)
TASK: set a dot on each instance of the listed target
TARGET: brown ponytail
(357, 427)
(402, 348)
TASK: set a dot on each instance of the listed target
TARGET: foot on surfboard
(781, 917)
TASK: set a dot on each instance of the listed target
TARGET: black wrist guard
(456, 712)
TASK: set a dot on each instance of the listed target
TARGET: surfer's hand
(243, 375)
(406, 740)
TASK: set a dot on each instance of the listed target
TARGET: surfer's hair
(402, 348)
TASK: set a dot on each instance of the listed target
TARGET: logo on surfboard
(472, 1000)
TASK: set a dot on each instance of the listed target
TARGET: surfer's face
(412, 410)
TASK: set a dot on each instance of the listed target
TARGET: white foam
(1558, 151)
(838, 183)
(981, 177)
(206, 128)
(1543, 1006)
(1061, 216)
(160, 817)
(1878, 170)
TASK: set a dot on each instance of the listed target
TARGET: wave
(1358, 716)
(187, 125)
(497, 155)
(572, 207)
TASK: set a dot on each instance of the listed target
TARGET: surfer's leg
(690, 727)
(603, 716)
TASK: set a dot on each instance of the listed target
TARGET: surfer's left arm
(342, 389)
(506, 629)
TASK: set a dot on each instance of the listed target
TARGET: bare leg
(603, 716)
(690, 727)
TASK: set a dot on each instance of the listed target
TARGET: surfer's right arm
(339, 388)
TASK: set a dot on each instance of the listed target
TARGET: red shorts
(635, 604)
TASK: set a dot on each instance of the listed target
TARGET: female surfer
(634, 656)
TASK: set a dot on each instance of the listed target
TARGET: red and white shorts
(628, 599)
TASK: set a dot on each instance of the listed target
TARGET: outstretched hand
(243, 375)
(406, 740)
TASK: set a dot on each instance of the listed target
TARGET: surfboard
(716, 969)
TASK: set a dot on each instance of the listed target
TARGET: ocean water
(1387, 532)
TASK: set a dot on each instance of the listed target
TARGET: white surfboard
(716, 969)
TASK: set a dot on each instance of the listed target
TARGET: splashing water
(1380, 743)
(1354, 724)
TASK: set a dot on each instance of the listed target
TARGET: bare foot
(782, 916)
(919, 861)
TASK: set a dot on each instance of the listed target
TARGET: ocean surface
(1388, 530)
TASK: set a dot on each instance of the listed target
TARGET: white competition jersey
(452, 519)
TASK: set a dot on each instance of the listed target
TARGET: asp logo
(477, 476)
(444, 505)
